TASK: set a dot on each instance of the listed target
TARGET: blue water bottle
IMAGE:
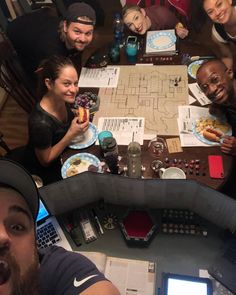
(118, 29)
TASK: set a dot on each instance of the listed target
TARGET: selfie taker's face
(18, 252)
(78, 35)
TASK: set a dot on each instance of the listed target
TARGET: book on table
(130, 276)
(162, 42)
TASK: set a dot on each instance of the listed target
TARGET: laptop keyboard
(47, 236)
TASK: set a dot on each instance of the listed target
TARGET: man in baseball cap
(78, 26)
(38, 35)
(23, 269)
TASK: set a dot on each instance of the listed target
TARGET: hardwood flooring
(13, 124)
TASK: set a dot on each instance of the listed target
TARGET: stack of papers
(124, 129)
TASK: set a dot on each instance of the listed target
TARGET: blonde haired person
(156, 17)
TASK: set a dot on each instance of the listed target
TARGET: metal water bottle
(134, 165)
(110, 152)
(118, 29)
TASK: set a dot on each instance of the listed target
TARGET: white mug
(172, 173)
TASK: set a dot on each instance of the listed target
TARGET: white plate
(90, 136)
(206, 141)
(84, 160)
(193, 67)
(161, 40)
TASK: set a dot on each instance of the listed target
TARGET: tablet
(176, 284)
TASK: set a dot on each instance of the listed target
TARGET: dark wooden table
(186, 158)
(189, 154)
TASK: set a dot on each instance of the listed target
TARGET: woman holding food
(223, 15)
(52, 124)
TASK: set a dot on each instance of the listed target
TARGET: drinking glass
(156, 146)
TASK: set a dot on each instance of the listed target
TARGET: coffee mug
(172, 173)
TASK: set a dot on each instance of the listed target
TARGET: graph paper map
(152, 92)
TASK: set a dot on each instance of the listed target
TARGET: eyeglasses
(211, 81)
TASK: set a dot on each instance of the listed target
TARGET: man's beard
(27, 284)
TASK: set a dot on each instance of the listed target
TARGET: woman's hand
(228, 145)
(77, 128)
(181, 31)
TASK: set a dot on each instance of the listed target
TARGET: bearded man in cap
(24, 270)
(39, 34)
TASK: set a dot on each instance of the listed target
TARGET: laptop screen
(43, 212)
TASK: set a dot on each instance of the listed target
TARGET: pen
(197, 57)
(98, 222)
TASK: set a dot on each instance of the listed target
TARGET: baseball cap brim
(17, 177)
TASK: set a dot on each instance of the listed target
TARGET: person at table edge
(219, 85)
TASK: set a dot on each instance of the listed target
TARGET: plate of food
(211, 130)
(85, 140)
(193, 67)
(161, 40)
(79, 163)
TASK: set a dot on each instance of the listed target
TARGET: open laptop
(49, 232)
(223, 268)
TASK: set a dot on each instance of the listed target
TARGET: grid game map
(152, 92)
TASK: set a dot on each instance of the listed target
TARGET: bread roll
(83, 114)
(179, 26)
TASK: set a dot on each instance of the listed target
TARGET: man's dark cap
(14, 175)
(78, 10)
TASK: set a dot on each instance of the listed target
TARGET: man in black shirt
(39, 34)
(219, 85)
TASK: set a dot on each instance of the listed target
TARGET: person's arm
(228, 145)
(101, 288)
(48, 155)
(168, 20)
(181, 31)
(223, 51)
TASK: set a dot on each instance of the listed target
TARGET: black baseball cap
(77, 10)
(16, 176)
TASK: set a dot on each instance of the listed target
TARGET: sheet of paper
(197, 92)
(174, 145)
(124, 129)
(131, 277)
(98, 78)
(191, 99)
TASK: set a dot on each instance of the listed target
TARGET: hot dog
(212, 134)
(82, 114)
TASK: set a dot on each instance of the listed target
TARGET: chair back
(13, 78)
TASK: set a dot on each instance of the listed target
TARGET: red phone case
(216, 168)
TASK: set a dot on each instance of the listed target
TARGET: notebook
(49, 232)
(223, 268)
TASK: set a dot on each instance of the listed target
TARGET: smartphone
(216, 169)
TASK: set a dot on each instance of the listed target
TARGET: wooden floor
(13, 124)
